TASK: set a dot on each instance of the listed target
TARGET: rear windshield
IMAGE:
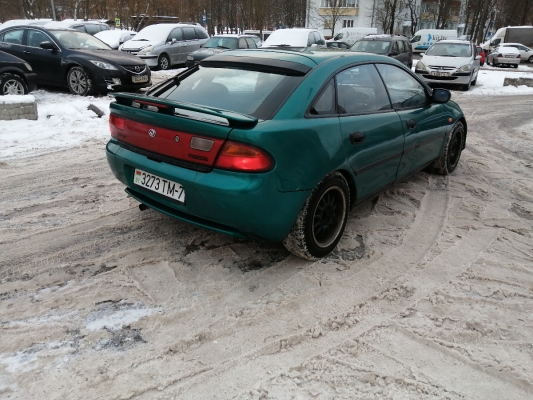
(372, 46)
(245, 91)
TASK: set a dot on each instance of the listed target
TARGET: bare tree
(387, 13)
(414, 14)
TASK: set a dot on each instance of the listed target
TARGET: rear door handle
(411, 124)
(357, 137)
(26, 52)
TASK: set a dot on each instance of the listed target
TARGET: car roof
(235, 35)
(69, 22)
(454, 41)
(512, 44)
(308, 59)
(384, 37)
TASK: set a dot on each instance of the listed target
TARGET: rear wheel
(530, 59)
(78, 82)
(12, 84)
(515, 65)
(163, 63)
(449, 158)
(321, 222)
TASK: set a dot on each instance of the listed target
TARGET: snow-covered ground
(64, 120)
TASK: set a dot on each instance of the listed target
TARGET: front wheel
(12, 84)
(163, 63)
(78, 82)
(449, 158)
(322, 220)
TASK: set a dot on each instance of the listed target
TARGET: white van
(352, 35)
(426, 37)
(510, 34)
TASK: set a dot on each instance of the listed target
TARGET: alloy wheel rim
(13, 87)
(164, 63)
(78, 82)
(329, 216)
(454, 150)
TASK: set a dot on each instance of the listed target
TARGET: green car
(280, 145)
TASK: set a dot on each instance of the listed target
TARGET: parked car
(504, 56)
(526, 54)
(451, 62)
(165, 45)
(115, 37)
(16, 75)
(75, 60)
(352, 35)
(220, 43)
(17, 22)
(424, 38)
(279, 145)
(395, 46)
(91, 27)
(296, 39)
(338, 45)
(481, 53)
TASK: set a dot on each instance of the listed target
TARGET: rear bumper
(506, 61)
(237, 204)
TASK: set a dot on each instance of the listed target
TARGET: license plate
(509, 56)
(159, 185)
(440, 73)
(139, 78)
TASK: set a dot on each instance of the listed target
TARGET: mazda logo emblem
(151, 132)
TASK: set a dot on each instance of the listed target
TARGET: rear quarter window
(189, 34)
(201, 34)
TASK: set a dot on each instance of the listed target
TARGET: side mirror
(441, 96)
(49, 46)
(478, 57)
(421, 54)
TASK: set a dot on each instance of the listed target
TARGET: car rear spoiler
(188, 110)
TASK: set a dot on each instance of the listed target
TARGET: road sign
(204, 19)
(117, 21)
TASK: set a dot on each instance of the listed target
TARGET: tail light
(499, 55)
(115, 123)
(243, 158)
(518, 56)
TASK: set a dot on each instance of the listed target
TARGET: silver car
(165, 45)
(451, 62)
(504, 56)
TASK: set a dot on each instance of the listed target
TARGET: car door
(45, 63)
(12, 42)
(372, 133)
(191, 43)
(422, 121)
(174, 45)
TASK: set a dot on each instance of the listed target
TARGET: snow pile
(16, 99)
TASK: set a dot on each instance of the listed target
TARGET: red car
(482, 54)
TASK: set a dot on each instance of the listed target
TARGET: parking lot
(428, 295)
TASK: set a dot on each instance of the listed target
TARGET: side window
(104, 27)
(35, 38)
(310, 39)
(416, 39)
(189, 34)
(325, 104)
(242, 43)
(394, 48)
(14, 36)
(175, 34)
(92, 28)
(404, 90)
(79, 28)
(360, 90)
(251, 43)
(318, 39)
(401, 49)
(201, 34)
(407, 46)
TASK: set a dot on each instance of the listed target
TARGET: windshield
(79, 40)
(245, 91)
(222, 43)
(450, 50)
(372, 46)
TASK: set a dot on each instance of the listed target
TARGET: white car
(508, 56)
(298, 39)
(451, 62)
(114, 38)
(526, 54)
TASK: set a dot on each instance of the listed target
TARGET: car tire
(163, 62)
(530, 59)
(12, 84)
(515, 65)
(449, 158)
(474, 81)
(482, 64)
(322, 220)
(79, 82)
